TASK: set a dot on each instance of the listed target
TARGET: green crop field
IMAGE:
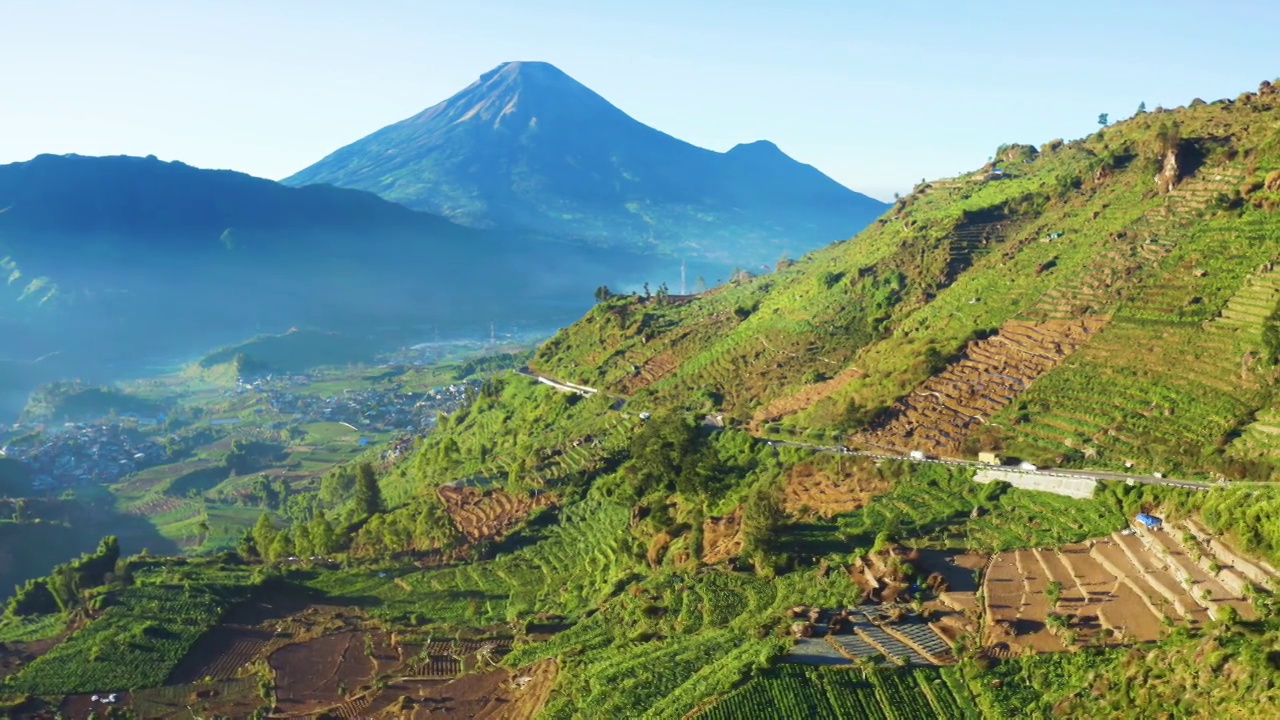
(796, 691)
(933, 505)
(142, 634)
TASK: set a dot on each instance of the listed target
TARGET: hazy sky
(875, 97)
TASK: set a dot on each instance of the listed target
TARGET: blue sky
(877, 97)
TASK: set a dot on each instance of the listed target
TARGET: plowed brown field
(828, 493)
(489, 514)
(1121, 588)
(937, 416)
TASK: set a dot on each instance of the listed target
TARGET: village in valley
(187, 451)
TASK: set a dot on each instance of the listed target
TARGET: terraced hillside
(1102, 301)
(1106, 302)
(937, 416)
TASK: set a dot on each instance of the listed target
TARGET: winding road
(1043, 472)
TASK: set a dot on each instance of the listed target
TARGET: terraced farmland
(1119, 588)
(491, 513)
(571, 567)
(220, 654)
(1128, 396)
(135, 644)
(1133, 256)
(940, 414)
(826, 493)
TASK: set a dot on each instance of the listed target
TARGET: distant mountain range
(508, 203)
(114, 262)
(526, 147)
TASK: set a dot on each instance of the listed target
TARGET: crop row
(790, 692)
(567, 570)
(134, 644)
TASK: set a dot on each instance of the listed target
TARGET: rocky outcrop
(1170, 173)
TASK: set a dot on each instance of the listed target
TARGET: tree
(246, 546)
(337, 487)
(1142, 107)
(368, 494)
(1053, 593)
(670, 453)
(281, 546)
(1102, 119)
(646, 291)
(323, 538)
(762, 515)
(603, 293)
(264, 533)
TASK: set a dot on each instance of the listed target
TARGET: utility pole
(682, 277)
(492, 337)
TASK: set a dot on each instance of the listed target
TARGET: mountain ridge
(97, 254)
(527, 146)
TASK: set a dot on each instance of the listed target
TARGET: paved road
(1045, 472)
(1048, 472)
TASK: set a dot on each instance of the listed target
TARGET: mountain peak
(759, 150)
(526, 68)
(527, 146)
(517, 95)
(757, 146)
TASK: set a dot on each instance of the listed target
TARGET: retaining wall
(1076, 487)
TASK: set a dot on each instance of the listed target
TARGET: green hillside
(1115, 320)
(689, 542)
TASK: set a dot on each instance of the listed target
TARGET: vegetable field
(135, 644)
(935, 504)
(790, 692)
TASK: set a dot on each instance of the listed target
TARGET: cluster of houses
(375, 409)
(78, 453)
(62, 456)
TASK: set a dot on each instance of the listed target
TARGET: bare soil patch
(653, 370)
(489, 514)
(959, 572)
(317, 673)
(1111, 590)
(805, 397)
(722, 537)
(82, 706)
(155, 506)
(939, 415)
(497, 694)
(809, 489)
(220, 654)
(15, 656)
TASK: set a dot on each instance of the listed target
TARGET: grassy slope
(1161, 386)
